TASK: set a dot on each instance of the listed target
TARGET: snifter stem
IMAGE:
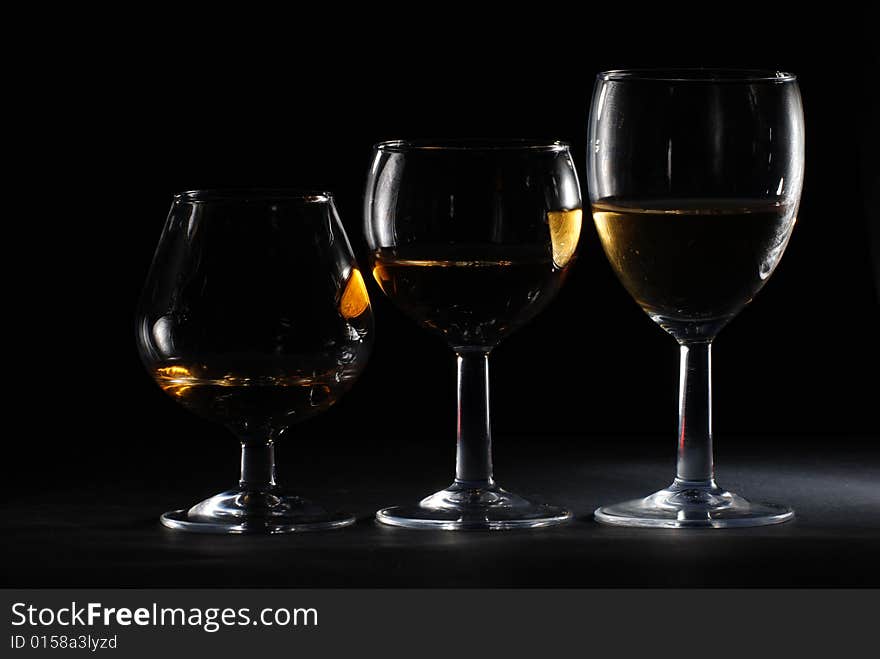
(695, 463)
(258, 466)
(473, 466)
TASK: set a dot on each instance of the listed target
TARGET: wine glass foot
(258, 513)
(461, 507)
(693, 505)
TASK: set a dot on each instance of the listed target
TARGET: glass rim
(471, 144)
(255, 194)
(697, 74)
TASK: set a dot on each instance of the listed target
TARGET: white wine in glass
(695, 179)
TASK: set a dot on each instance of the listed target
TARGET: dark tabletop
(102, 530)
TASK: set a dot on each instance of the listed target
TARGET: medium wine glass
(254, 315)
(695, 179)
(472, 239)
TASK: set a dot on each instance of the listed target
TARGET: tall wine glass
(255, 316)
(472, 239)
(695, 179)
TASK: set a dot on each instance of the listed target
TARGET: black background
(130, 115)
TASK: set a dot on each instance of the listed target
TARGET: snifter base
(257, 513)
(686, 504)
(461, 507)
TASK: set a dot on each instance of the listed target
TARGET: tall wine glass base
(461, 507)
(255, 512)
(690, 504)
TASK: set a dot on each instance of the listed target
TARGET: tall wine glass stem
(695, 464)
(257, 465)
(473, 467)
(694, 499)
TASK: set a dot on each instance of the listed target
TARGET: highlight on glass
(255, 316)
(695, 179)
(472, 239)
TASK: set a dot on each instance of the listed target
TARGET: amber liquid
(471, 295)
(686, 260)
(252, 404)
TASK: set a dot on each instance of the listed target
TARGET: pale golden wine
(693, 259)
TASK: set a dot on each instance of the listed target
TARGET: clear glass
(695, 179)
(254, 315)
(472, 239)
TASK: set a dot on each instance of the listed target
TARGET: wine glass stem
(473, 466)
(257, 466)
(695, 464)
